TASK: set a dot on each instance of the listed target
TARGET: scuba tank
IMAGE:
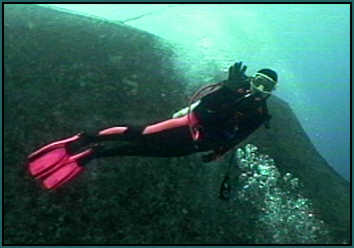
(205, 90)
(201, 93)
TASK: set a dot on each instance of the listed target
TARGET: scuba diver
(218, 117)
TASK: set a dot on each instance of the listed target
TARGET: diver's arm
(217, 153)
(223, 96)
(210, 104)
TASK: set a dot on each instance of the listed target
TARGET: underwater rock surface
(66, 73)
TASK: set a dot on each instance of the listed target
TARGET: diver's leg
(167, 143)
(62, 160)
(167, 138)
(131, 132)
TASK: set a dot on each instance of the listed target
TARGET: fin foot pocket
(54, 164)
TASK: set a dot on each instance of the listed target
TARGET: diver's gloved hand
(211, 156)
(237, 72)
(206, 158)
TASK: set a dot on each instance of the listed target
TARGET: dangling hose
(225, 188)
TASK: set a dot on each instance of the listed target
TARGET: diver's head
(263, 82)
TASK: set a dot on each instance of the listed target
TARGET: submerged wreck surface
(66, 73)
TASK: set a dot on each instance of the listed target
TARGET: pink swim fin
(53, 164)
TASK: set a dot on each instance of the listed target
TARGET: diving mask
(263, 84)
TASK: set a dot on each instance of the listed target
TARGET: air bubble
(284, 215)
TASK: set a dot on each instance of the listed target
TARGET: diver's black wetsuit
(224, 120)
(228, 118)
(225, 114)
